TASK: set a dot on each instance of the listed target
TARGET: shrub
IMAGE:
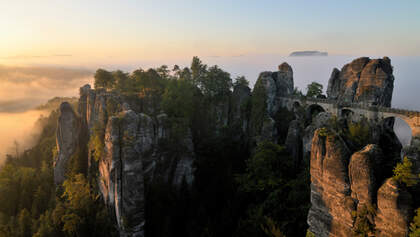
(96, 141)
(364, 226)
(415, 225)
(358, 133)
(309, 234)
(403, 173)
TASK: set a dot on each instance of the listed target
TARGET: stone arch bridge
(376, 113)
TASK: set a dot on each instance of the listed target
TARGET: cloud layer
(23, 88)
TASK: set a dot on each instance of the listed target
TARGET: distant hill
(308, 53)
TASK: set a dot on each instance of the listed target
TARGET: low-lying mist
(24, 88)
(18, 131)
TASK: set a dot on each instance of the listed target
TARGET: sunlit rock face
(321, 120)
(394, 210)
(364, 80)
(332, 205)
(68, 130)
(343, 185)
(362, 168)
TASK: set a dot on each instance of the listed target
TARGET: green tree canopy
(241, 81)
(403, 173)
(314, 90)
(104, 79)
(216, 83)
(198, 70)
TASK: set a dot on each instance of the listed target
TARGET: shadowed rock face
(239, 107)
(362, 174)
(364, 80)
(330, 213)
(122, 181)
(270, 86)
(394, 209)
(68, 129)
(294, 142)
(134, 155)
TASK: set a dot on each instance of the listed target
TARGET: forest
(240, 188)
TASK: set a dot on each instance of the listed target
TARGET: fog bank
(24, 88)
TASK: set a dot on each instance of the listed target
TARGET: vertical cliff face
(121, 172)
(364, 80)
(346, 188)
(394, 210)
(332, 205)
(68, 130)
(266, 103)
(362, 175)
(139, 150)
(239, 107)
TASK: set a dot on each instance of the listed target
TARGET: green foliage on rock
(415, 225)
(403, 173)
(96, 141)
(309, 234)
(364, 221)
(358, 133)
(104, 79)
(241, 81)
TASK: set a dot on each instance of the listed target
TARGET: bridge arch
(347, 113)
(313, 110)
(402, 127)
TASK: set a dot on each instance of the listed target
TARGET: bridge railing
(358, 105)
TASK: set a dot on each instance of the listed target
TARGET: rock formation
(294, 142)
(68, 130)
(136, 153)
(332, 205)
(239, 107)
(394, 210)
(364, 80)
(143, 147)
(339, 198)
(362, 175)
(265, 101)
(121, 172)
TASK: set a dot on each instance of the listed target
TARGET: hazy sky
(98, 32)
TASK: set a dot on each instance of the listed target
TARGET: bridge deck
(406, 112)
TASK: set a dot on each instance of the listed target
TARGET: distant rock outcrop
(364, 80)
(308, 53)
(68, 130)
